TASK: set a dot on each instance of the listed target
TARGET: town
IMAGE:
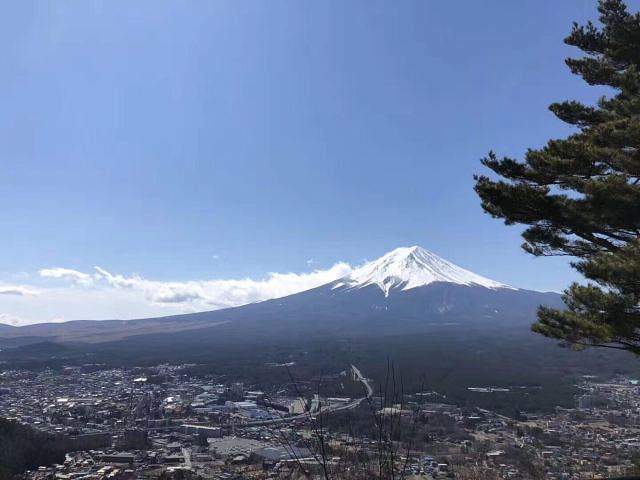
(163, 422)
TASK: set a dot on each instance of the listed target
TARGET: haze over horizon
(214, 144)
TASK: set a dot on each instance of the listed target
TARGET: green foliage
(580, 196)
(22, 448)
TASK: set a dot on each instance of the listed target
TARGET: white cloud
(225, 293)
(18, 290)
(8, 319)
(67, 274)
(105, 295)
(118, 281)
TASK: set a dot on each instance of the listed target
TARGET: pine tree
(580, 196)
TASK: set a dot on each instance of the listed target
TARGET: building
(202, 430)
(237, 389)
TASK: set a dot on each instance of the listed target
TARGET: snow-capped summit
(410, 267)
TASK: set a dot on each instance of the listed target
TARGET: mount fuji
(412, 267)
(407, 290)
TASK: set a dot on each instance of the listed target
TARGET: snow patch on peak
(410, 267)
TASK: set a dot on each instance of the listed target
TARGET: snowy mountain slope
(406, 290)
(411, 267)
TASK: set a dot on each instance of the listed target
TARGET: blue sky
(226, 140)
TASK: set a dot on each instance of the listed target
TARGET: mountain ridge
(406, 289)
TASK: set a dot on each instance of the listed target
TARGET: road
(323, 410)
(187, 457)
(362, 380)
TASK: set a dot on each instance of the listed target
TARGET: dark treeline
(23, 448)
